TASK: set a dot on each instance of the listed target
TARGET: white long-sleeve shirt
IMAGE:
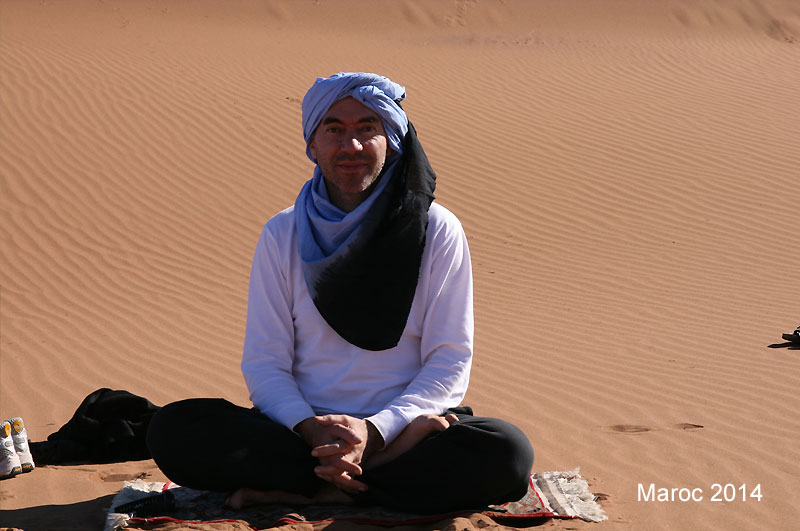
(296, 366)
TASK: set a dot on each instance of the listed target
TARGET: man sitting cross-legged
(359, 338)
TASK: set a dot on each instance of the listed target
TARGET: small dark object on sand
(793, 337)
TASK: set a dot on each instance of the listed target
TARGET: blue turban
(379, 93)
(361, 267)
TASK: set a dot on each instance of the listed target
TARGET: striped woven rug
(550, 495)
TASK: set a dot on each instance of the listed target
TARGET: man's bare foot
(245, 497)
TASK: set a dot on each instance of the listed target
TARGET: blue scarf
(361, 267)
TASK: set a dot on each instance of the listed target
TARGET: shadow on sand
(789, 345)
(77, 516)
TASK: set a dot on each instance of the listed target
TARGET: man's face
(350, 147)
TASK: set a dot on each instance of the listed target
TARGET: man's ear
(312, 148)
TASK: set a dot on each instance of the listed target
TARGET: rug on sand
(550, 495)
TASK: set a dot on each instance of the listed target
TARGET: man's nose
(351, 143)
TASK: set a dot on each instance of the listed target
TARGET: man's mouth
(352, 160)
(351, 164)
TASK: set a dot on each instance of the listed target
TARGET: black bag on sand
(109, 426)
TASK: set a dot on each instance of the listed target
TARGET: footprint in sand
(629, 428)
(687, 426)
(636, 428)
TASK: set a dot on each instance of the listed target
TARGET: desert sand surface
(626, 172)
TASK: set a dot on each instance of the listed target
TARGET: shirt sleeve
(269, 339)
(447, 337)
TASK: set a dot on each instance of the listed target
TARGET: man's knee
(507, 452)
(520, 458)
(178, 436)
(515, 447)
(177, 421)
(501, 436)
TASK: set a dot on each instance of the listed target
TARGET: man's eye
(332, 130)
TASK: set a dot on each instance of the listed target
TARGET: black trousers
(212, 444)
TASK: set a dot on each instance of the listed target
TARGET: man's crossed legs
(212, 444)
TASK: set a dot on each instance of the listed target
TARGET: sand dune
(626, 174)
